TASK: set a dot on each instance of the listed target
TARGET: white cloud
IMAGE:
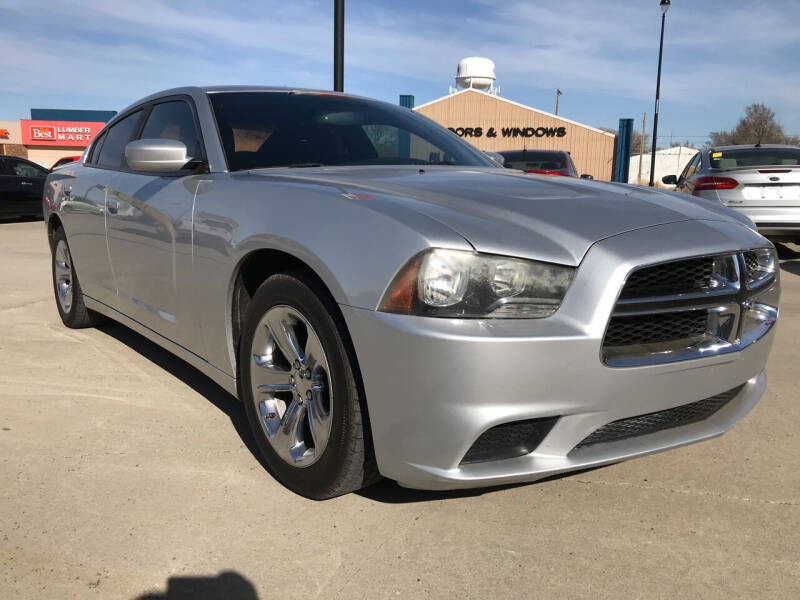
(716, 52)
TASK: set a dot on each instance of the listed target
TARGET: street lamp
(664, 9)
(338, 45)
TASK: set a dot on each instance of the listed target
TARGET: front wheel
(299, 387)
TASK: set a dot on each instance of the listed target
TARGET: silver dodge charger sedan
(385, 300)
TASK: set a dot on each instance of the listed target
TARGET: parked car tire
(300, 389)
(67, 289)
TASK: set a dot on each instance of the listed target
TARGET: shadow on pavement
(386, 491)
(196, 380)
(228, 584)
(788, 257)
(791, 267)
(11, 220)
(389, 492)
(786, 252)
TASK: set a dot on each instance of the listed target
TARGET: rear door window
(691, 168)
(23, 169)
(94, 152)
(173, 120)
(112, 154)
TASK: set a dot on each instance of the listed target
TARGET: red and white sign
(76, 134)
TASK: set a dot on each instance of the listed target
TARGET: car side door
(26, 183)
(685, 183)
(149, 228)
(7, 191)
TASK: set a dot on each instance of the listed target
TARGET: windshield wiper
(305, 165)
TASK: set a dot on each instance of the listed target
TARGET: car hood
(499, 211)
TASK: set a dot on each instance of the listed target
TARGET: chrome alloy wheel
(290, 380)
(63, 276)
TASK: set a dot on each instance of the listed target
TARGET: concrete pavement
(125, 473)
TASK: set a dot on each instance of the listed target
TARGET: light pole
(664, 8)
(338, 45)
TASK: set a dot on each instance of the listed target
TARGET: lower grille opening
(656, 328)
(685, 414)
(509, 440)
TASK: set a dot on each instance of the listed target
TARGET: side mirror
(669, 179)
(587, 176)
(157, 156)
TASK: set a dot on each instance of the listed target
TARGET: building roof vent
(476, 72)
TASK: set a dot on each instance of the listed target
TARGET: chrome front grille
(675, 277)
(698, 306)
(750, 263)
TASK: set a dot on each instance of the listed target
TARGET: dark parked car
(541, 162)
(21, 187)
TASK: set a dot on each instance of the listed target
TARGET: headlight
(759, 265)
(457, 283)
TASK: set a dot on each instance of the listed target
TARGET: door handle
(25, 183)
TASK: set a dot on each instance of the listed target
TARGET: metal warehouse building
(492, 123)
(479, 115)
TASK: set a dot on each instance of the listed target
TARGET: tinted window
(23, 169)
(755, 157)
(113, 150)
(94, 153)
(173, 121)
(277, 129)
(532, 159)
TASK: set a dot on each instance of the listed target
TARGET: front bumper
(435, 385)
(774, 221)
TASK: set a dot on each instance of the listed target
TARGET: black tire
(347, 463)
(77, 316)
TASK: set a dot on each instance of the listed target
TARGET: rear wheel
(300, 391)
(69, 297)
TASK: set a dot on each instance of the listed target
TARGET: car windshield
(754, 157)
(527, 159)
(291, 129)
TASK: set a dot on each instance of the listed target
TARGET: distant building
(669, 161)
(475, 112)
(51, 134)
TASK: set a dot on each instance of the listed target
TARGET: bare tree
(636, 140)
(757, 126)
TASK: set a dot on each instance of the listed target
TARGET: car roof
(212, 89)
(749, 146)
(531, 151)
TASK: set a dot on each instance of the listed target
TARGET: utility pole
(338, 45)
(558, 96)
(641, 148)
(664, 7)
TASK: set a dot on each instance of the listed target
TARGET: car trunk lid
(763, 186)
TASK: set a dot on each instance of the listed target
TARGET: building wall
(45, 155)
(591, 150)
(48, 156)
(670, 161)
(12, 145)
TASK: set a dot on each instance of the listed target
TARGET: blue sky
(719, 55)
